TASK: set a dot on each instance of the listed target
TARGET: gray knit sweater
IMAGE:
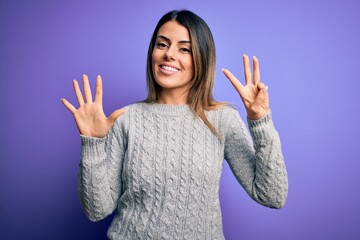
(159, 167)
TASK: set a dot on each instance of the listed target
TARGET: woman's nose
(171, 53)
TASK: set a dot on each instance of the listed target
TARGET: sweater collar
(169, 110)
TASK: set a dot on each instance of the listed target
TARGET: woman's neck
(172, 97)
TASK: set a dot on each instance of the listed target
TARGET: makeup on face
(172, 57)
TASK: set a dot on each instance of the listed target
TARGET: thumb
(116, 114)
(261, 96)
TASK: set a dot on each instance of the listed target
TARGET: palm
(248, 94)
(91, 120)
(90, 117)
(254, 94)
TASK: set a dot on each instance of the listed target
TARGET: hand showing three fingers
(90, 117)
(254, 94)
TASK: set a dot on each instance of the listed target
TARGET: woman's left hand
(254, 94)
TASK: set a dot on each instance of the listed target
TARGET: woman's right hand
(90, 117)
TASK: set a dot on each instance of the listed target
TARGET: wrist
(257, 115)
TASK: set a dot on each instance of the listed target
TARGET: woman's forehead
(174, 31)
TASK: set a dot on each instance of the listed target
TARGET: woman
(159, 163)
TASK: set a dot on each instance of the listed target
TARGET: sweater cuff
(262, 128)
(90, 141)
(92, 148)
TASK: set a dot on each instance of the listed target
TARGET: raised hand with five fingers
(90, 117)
(254, 94)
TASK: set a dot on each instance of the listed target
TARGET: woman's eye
(161, 45)
(186, 50)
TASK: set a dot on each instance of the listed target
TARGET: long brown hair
(200, 96)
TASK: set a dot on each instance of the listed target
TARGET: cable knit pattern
(159, 168)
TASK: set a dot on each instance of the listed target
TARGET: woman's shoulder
(225, 110)
(134, 106)
(125, 116)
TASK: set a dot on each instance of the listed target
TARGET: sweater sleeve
(99, 177)
(258, 166)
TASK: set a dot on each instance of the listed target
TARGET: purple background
(309, 53)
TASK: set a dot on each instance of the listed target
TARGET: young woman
(158, 163)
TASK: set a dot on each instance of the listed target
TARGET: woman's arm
(100, 171)
(258, 166)
(103, 147)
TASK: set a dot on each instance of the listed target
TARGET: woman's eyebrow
(167, 39)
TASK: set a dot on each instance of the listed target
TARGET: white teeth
(169, 68)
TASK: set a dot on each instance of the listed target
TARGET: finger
(247, 69)
(234, 81)
(87, 89)
(260, 86)
(98, 91)
(256, 70)
(68, 105)
(78, 93)
(262, 96)
(116, 114)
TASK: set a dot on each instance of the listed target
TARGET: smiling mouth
(168, 68)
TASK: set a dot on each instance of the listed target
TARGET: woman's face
(172, 58)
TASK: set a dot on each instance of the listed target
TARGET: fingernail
(265, 89)
(98, 76)
(223, 69)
